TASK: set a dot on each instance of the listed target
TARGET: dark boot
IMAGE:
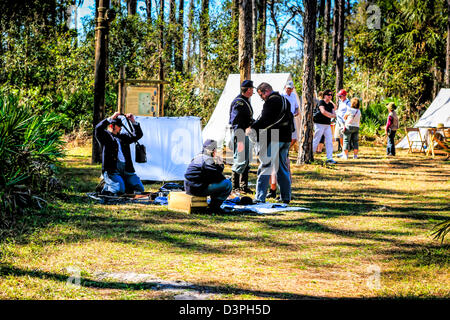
(243, 183)
(235, 177)
(214, 207)
(272, 194)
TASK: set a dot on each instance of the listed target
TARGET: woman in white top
(351, 132)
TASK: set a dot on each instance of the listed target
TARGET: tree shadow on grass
(9, 270)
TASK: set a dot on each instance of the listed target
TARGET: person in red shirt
(391, 129)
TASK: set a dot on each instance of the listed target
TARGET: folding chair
(417, 143)
(442, 142)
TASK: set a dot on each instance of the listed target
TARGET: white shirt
(354, 117)
(292, 100)
(342, 109)
(120, 155)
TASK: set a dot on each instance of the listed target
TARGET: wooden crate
(180, 201)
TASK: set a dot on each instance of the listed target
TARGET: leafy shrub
(30, 146)
(374, 117)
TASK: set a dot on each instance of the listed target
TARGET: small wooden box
(180, 201)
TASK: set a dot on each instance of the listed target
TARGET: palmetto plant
(441, 229)
(30, 147)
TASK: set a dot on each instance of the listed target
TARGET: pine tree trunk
(245, 39)
(161, 56)
(190, 44)
(204, 28)
(335, 28)
(259, 55)
(99, 75)
(171, 31)
(148, 7)
(319, 39)
(326, 44)
(254, 28)
(131, 7)
(306, 131)
(447, 69)
(340, 45)
(179, 39)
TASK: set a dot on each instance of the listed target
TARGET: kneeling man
(117, 166)
(204, 177)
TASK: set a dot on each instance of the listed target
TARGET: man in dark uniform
(241, 117)
(204, 177)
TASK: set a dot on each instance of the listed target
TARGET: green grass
(367, 213)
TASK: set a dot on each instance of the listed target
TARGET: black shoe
(283, 201)
(272, 194)
(216, 210)
(235, 179)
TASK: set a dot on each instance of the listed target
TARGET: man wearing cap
(204, 177)
(274, 127)
(292, 98)
(343, 106)
(241, 117)
(117, 166)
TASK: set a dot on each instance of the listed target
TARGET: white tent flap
(437, 112)
(171, 143)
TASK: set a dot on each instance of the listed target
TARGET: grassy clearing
(367, 235)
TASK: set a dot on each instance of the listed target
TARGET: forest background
(393, 50)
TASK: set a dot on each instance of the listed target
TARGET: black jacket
(271, 113)
(201, 172)
(241, 113)
(110, 147)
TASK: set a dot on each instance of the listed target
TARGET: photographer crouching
(117, 167)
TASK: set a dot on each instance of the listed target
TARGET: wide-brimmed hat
(440, 125)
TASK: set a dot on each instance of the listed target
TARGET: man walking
(274, 127)
(241, 117)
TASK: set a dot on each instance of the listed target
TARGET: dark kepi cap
(210, 145)
(247, 84)
(117, 122)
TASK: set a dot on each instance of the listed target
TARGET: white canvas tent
(437, 112)
(171, 143)
(216, 128)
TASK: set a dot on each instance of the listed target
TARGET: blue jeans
(274, 158)
(218, 192)
(120, 181)
(391, 143)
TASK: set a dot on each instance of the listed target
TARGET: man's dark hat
(210, 145)
(247, 84)
(117, 122)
